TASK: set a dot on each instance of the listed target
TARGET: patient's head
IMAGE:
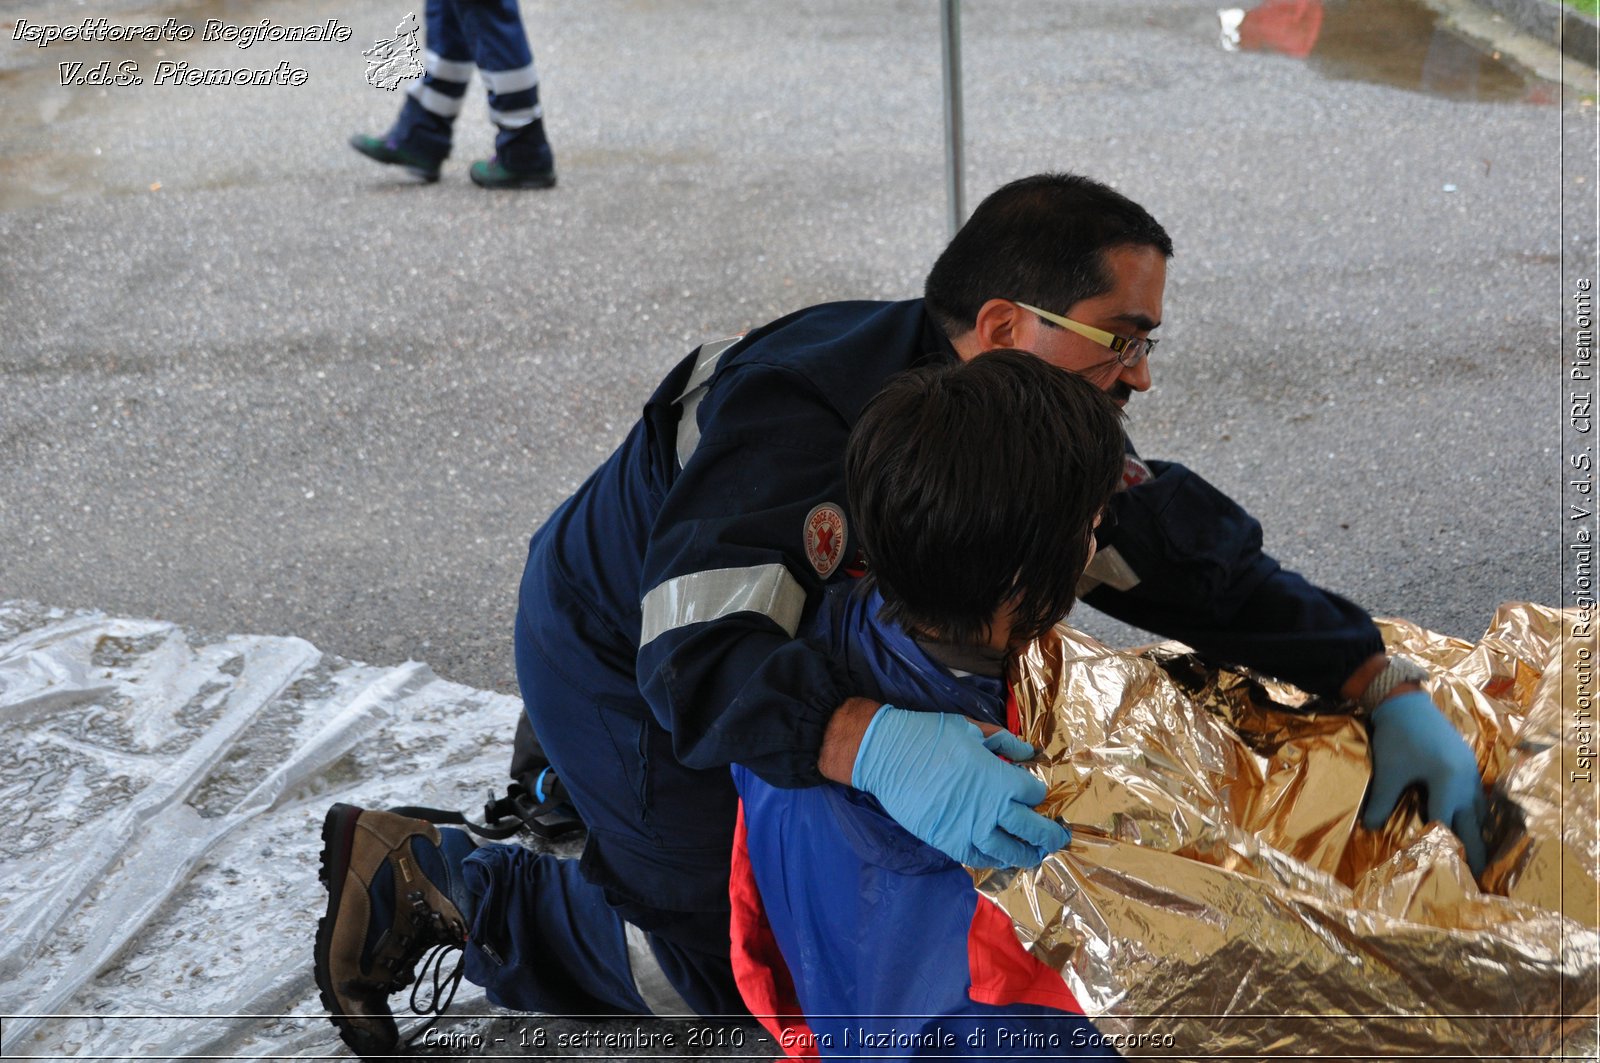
(975, 488)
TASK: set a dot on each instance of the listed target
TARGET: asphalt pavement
(252, 382)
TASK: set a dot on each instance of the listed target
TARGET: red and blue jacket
(852, 938)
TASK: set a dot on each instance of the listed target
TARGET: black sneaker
(492, 173)
(380, 150)
(389, 901)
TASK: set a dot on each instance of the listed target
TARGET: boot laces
(444, 985)
(446, 938)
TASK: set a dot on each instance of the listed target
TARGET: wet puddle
(1400, 43)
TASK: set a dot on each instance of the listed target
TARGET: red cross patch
(824, 536)
(1134, 471)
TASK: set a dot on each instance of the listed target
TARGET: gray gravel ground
(252, 382)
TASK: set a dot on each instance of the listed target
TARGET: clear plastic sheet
(1219, 891)
(164, 797)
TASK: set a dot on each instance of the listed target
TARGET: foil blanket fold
(1220, 895)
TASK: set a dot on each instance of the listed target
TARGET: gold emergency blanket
(1220, 899)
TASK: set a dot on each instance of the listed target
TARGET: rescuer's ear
(1000, 325)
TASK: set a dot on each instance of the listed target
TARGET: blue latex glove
(939, 778)
(1413, 744)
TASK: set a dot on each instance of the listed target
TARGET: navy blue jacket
(690, 560)
(1203, 579)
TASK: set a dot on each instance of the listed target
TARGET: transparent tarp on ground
(164, 797)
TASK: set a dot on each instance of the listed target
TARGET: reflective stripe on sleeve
(701, 596)
(1108, 566)
(694, 391)
(649, 979)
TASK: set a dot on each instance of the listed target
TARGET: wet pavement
(1401, 43)
(251, 382)
(260, 383)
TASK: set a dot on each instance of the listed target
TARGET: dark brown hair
(978, 483)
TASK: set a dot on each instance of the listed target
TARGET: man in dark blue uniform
(655, 638)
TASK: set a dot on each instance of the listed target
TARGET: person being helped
(974, 490)
(463, 35)
(657, 618)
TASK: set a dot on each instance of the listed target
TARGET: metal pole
(950, 12)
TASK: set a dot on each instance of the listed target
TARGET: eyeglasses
(1129, 350)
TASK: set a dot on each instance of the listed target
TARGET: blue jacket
(888, 945)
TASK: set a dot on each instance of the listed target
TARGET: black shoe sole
(338, 836)
(538, 180)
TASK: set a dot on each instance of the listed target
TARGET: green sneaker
(491, 173)
(380, 150)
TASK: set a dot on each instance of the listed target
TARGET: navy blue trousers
(486, 35)
(639, 925)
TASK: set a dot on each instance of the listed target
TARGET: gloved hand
(1413, 743)
(939, 778)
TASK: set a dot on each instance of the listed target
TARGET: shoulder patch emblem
(1134, 471)
(824, 536)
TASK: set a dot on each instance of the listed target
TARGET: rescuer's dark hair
(977, 484)
(1039, 240)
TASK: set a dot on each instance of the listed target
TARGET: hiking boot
(390, 884)
(389, 152)
(492, 173)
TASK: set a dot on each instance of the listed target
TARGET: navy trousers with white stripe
(639, 924)
(486, 35)
(541, 938)
(545, 934)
